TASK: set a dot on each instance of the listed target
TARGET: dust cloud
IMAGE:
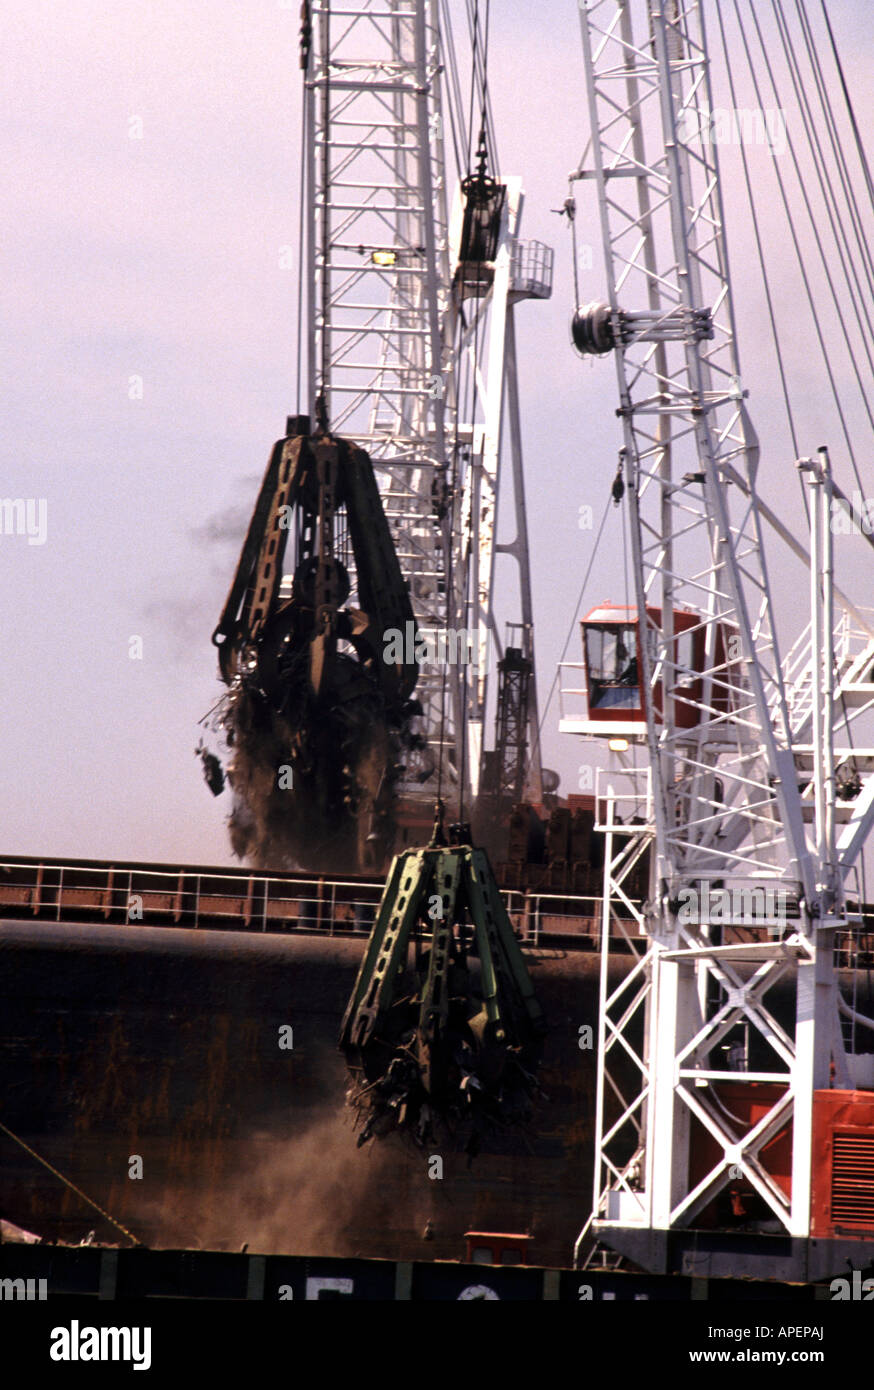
(334, 811)
(312, 1194)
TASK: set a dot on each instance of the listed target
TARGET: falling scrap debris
(443, 1032)
(213, 772)
(317, 723)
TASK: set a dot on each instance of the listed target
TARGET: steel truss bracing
(390, 344)
(729, 802)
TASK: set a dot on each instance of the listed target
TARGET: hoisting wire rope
(832, 211)
(453, 102)
(760, 251)
(793, 232)
(830, 201)
(464, 400)
(860, 148)
(570, 212)
(479, 75)
(461, 406)
(79, 1193)
(570, 634)
(462, 732)
(305, 42)
(449, 534)
(456, 101)
(861, 240)
(471, 602)
(474, 38)
(617, 493)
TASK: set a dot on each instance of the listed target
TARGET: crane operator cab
(612, 677)
(613, 670)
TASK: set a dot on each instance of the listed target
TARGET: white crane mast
(387, 338)
(726, 800)
(378, 273)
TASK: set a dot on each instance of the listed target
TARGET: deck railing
(226, 899)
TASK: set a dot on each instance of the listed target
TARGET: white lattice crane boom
(731, 790)
(393, 328)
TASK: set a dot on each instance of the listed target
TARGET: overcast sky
(158, 258)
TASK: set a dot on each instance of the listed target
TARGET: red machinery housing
(842, 1201)
(842, 1188)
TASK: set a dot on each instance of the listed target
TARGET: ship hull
(144, 1065)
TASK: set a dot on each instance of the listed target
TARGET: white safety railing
(630, 791)
(531, 266)
(572, 698)
(222, 899)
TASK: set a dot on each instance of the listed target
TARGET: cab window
(611, 666)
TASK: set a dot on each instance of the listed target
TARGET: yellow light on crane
(618, 745)
(386, 258)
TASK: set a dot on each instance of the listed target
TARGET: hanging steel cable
(832, 213)
(454, 101)
(805, 277)
(863, 247)
(860, 148)
(465, 377)
(760, 251)
(573, 621)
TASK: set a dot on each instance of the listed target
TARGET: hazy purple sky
(159, 258)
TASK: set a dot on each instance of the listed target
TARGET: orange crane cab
(613, 667)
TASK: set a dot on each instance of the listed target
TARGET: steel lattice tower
(730, 793)
(387, 344)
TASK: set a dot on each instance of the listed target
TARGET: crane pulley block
(484, 200)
